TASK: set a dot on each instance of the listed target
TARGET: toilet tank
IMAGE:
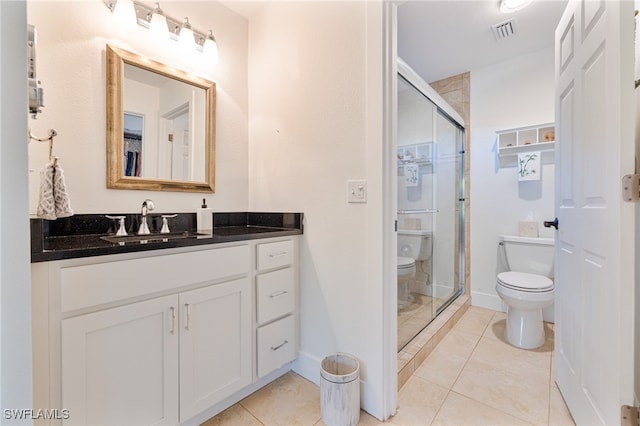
(529, 254)
(414, 243)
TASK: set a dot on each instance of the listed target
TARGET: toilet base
(525, 328)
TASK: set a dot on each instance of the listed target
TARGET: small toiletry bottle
(204, 216)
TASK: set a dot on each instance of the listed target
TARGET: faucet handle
(122, 231)
(165, 224)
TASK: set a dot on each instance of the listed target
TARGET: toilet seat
(405, 262)
(522, 281)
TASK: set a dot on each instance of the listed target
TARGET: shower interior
(430, 205)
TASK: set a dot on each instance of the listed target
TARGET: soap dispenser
(204, 217)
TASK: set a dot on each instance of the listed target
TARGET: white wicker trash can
(340, 390)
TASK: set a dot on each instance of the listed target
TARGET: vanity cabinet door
(215, 344)
(120, 365)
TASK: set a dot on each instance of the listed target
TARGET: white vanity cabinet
(276, 305)
(120, 365)
(215, 344)
(150, 338)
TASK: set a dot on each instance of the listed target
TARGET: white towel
(411, 175)
(47, 203)
(54, 201)
(529, 166)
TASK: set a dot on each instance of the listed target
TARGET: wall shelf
(418, 153)
(531, 138)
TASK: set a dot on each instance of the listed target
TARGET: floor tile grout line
(440, 407)
(551, 383)
(450, 388)
(480, 402)
(470, 355)
(250, 413)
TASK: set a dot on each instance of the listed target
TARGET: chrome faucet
(147, 206)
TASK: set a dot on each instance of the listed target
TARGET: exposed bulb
(158, 23)
(125, 12)
(186, 37)
(210, 49)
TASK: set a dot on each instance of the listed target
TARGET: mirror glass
(160, 126)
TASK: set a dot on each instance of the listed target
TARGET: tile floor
(472, 377)
(413, 316)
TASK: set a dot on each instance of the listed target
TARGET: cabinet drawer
(93, 284)
(276, 345)
(275, 294)
(273, 255)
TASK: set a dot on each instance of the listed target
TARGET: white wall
(71, 65)
(15, 300)
(315, 83)
(515, 93)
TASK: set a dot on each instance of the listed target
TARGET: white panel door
(120, 365)
(215, 344)
(594, 243)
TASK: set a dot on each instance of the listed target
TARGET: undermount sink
(144, 239)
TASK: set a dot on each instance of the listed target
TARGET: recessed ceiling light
(508, 6)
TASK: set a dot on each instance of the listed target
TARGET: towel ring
(52, 134)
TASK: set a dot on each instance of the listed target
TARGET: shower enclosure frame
(441, 107)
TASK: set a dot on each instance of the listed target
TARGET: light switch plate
(357, 191)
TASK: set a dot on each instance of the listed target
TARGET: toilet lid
(524, 281)
(405, 262)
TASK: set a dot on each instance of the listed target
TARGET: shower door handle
(549, 224)
(418, 211)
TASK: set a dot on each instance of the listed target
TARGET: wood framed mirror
(160, 126)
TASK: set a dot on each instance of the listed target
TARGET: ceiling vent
(503, 30)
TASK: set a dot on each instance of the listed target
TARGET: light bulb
(210, 48)
(186, 38)
(158, 23)
(125, 12)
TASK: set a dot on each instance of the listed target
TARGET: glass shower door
(448, 250)
(429, 211)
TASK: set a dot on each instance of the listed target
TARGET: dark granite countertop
(94, 235)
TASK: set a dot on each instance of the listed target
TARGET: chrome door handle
(275, 348)
(173, 319)
(187, 308)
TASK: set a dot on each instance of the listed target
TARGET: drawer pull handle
(279, 346)
(188, 309)
(280, 293)
(274, 255)
(173, 320)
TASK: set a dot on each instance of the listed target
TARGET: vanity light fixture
(508, 6)
(158, 23)
(210, 48)
(154, 17)
(185, 37)
(124, 11)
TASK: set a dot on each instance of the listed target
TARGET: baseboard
(493, 301)
(307, 366)
(442, 291)
(488, 301)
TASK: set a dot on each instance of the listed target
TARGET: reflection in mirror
(160, 126)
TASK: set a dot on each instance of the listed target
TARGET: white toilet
(413, 245)
(526, 288)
